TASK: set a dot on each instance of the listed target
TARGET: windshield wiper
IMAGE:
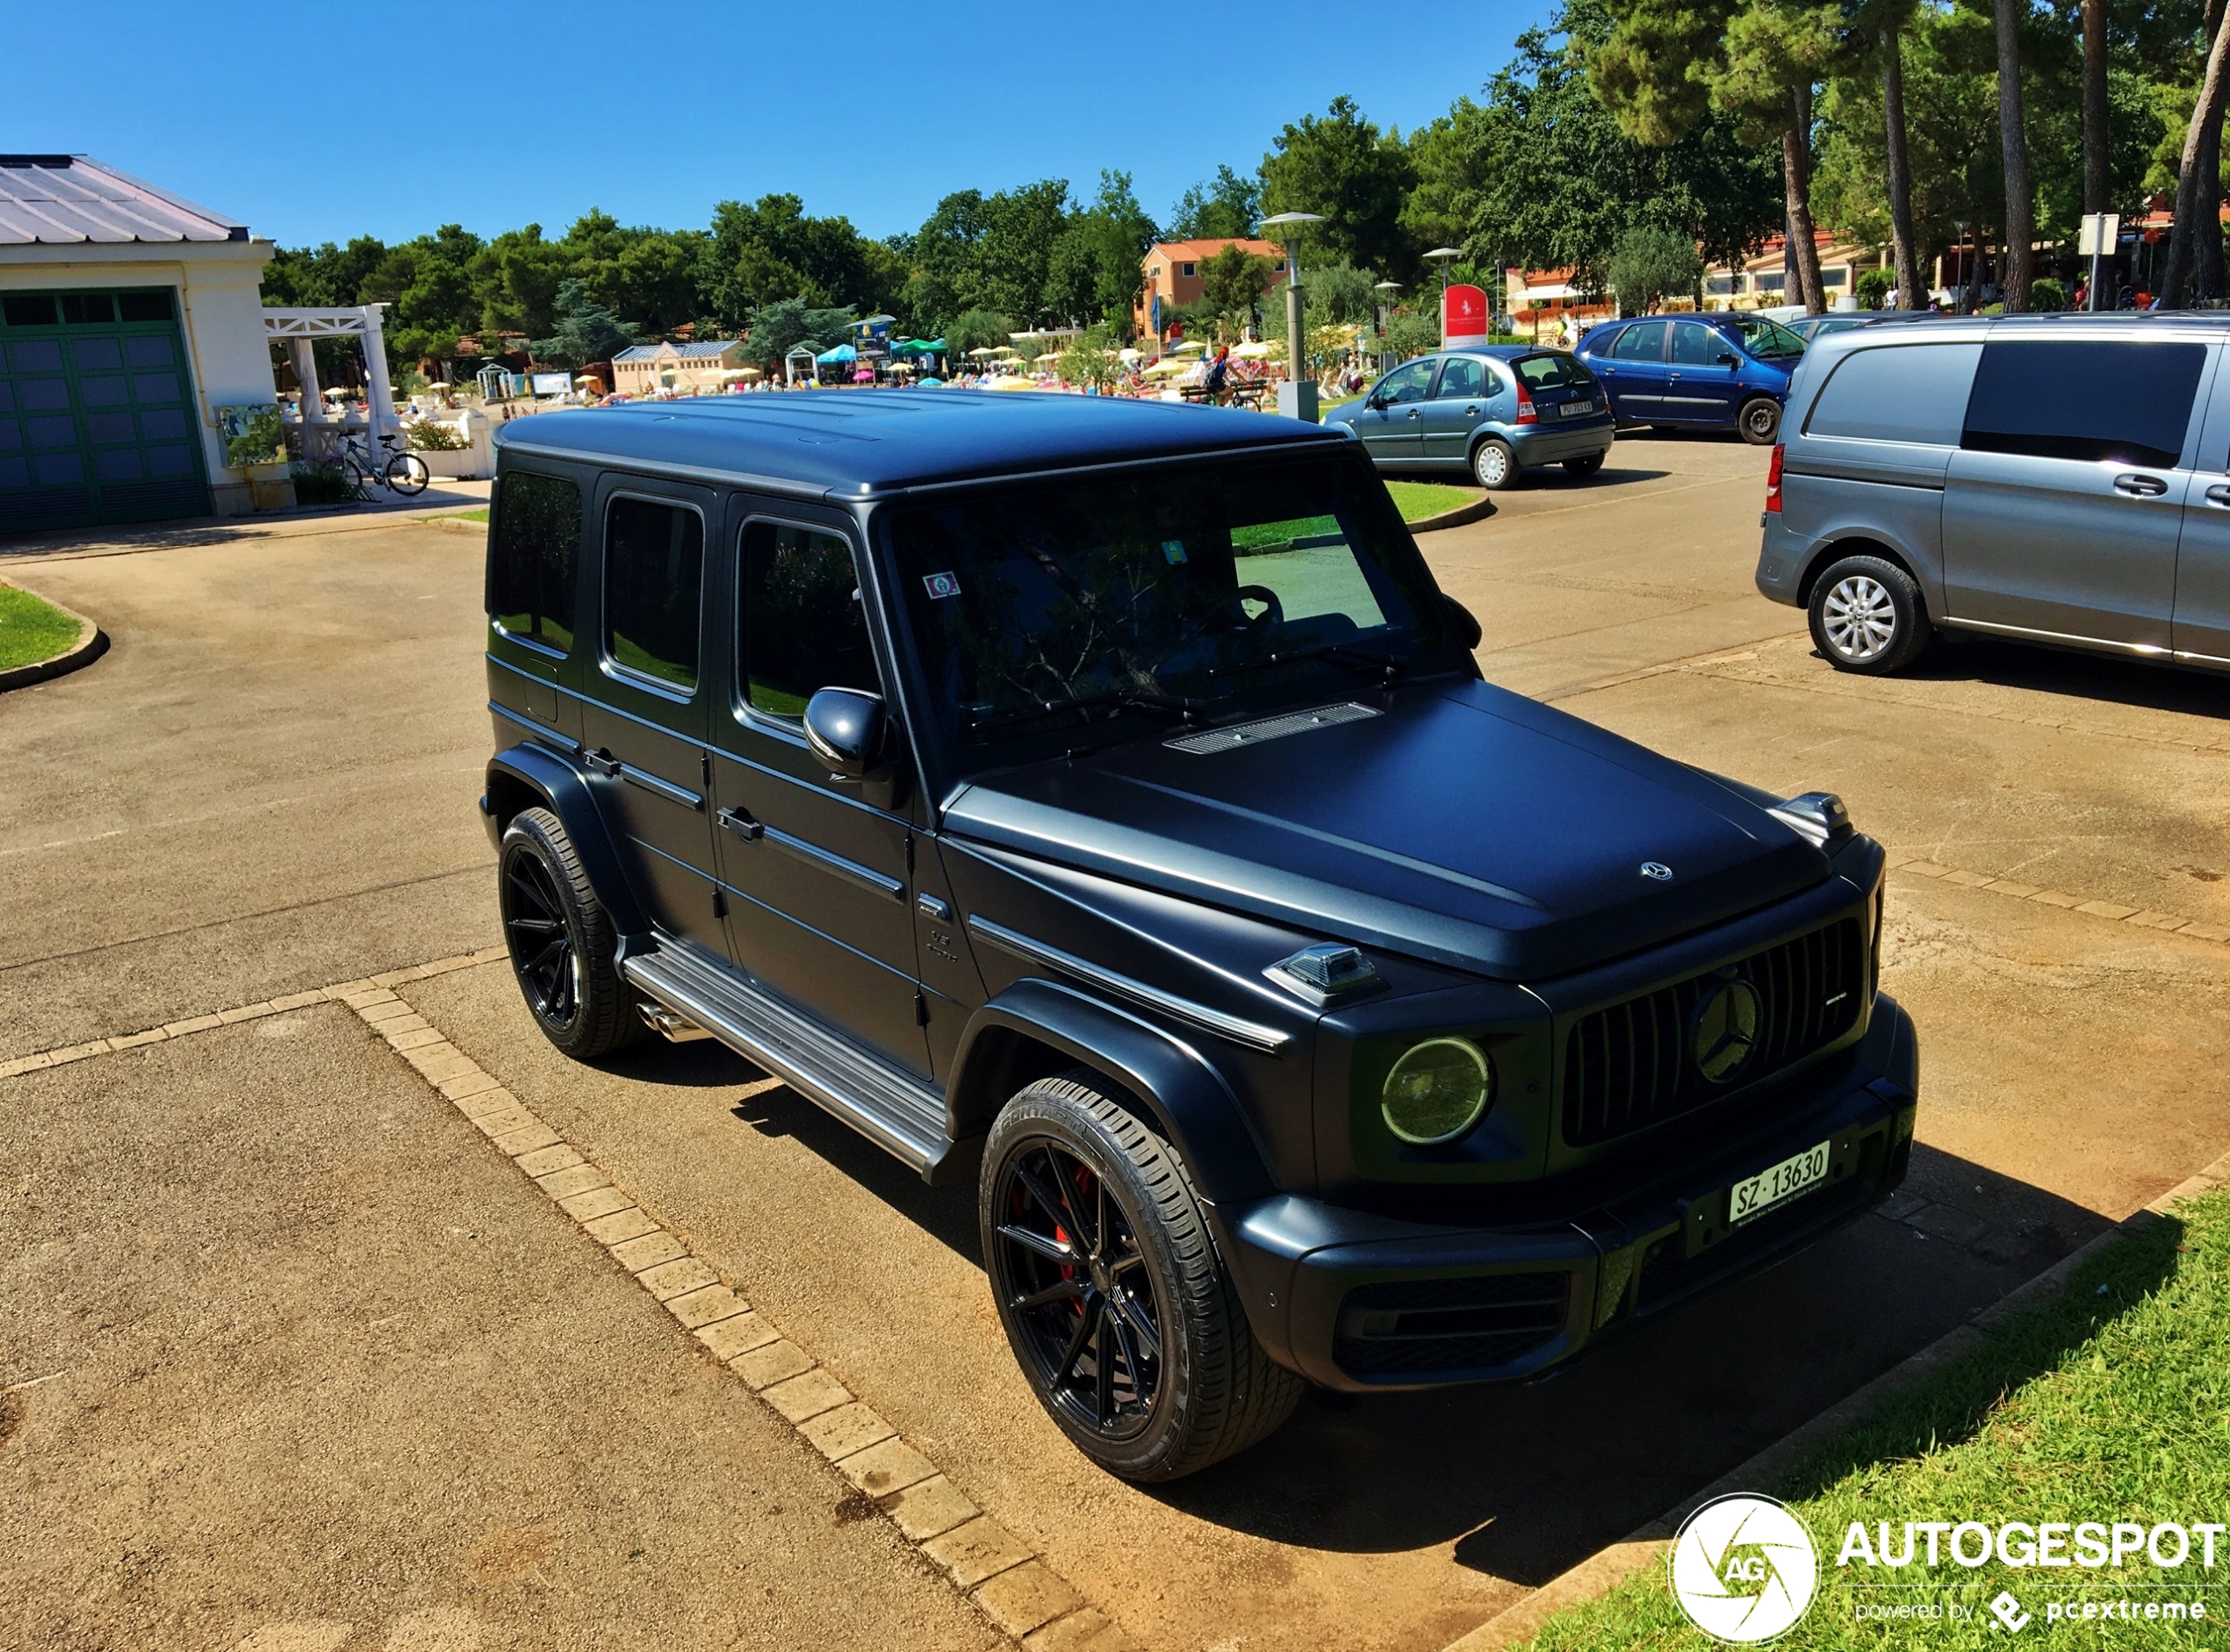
(1391, 666)
(1125, 699)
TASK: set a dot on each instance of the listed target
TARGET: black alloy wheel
(1073, 1275)
(561, 940)
(1113, 1295)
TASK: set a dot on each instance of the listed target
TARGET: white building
(128, 318)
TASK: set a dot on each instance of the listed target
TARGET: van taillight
(1528, 413)
(1773, 480)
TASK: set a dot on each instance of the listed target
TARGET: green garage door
(97, 419)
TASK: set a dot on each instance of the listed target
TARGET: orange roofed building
(1173, 272)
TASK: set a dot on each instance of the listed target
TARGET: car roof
(862, 443)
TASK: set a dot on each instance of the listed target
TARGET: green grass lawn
(480, 516)
(31, 630)
(1417, 500)
(2111, 1405)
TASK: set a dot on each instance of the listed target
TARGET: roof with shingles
(710, 347)
(73, 200)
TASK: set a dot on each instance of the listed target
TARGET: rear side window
(1459, 376)
(654, 556)
(802, 626)
(530, 558)
(2085, 399)
(1905, 393)
(1643, 342)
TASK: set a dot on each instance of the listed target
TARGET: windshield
(1551, 372)
(1766, 340)
(1035, 608)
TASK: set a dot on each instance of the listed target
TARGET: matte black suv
(1097, 799)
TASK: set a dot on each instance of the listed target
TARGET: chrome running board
(883, 1103)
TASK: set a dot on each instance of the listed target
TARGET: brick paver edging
(2013, 888)
(1607, 1567)
(996, 1570)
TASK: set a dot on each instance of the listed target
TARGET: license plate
(1776, 1184)
(1575, 409)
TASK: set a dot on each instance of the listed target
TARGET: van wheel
(561, 940)
(1867, 617)
(1492, 463)
(1759, 421)
(1118, 1309)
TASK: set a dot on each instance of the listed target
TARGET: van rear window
(2090, 399)
(1908, 393)
(530, 558)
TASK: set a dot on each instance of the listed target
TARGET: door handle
(601, 763)
(1412, 413)
(743, 825)
(2218, 494)
(1471, 412)
(2140, 486)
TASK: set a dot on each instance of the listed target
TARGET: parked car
(2057, 479)
(1715, 371)
(1811, 329)
(1097, 801)
(1496, 412)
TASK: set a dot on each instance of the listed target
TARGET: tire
(1493, 466)
(1759, 421)
(407, 474)
(1067, 1160)
(1580, 469)
(561, 941)
(1867, 616)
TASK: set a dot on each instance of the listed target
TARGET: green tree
(1233, 280)
(586, 330)
(778, 328)
(1651, 265)
(1225, 207)
(1098, 268)
(1341, 167)
(978, 329)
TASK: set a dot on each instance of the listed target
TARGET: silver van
(2057, 479)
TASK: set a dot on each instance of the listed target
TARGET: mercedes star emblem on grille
(1725, 1030)
(1657, 870)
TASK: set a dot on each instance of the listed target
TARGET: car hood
(1463, 824)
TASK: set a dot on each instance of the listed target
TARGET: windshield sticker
(1173, 552)
(941, 584)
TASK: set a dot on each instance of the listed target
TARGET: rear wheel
(1580, 469)
(1493, 464)
(407, 474)
(1759, 421)
(561, 940)
(1115, 1303)
(1867, 616)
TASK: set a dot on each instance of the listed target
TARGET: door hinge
(719, 901)
(704, 768)
(909, 851)
(921, 1008)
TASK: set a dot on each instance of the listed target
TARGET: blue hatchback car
(1495, 410)
(1713, 372)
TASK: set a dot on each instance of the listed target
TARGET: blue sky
(315, 123)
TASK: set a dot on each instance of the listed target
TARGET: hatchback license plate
(1575, 409)
(1776, 1184)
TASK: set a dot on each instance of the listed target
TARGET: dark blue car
(1713, 372)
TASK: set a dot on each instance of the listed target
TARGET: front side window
(1697, 345)
(2083, 398)
(802, 628)
(1460, 375)
(1407, 383)
(530, 558)
(654, 557)
(1768, 340)
(1035, 608)
(1643, 342)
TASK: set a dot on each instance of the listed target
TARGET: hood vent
(1251, 734)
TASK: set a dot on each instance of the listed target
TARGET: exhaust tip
(671, 1024)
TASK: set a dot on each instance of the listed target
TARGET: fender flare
(1188, 1100)
(527, 771)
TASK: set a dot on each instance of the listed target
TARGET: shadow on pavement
(1966, 658)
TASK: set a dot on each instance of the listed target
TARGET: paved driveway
(266, 787)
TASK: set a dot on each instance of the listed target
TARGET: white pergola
(299, 326)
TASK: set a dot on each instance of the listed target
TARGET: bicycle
(404, 472)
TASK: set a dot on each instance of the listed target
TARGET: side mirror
(848, 730)
(1727, 359)
(1462, 621)
(1375, 401)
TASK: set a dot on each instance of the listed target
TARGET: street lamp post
(1297, 396)
(1443, 257)
(1386, 290)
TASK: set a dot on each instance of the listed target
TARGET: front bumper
(1358, 1301)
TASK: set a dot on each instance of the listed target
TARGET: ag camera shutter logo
(1743, 1569)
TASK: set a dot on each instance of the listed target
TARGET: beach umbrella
(841, 353)
(1253, 350)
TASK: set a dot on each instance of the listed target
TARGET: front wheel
(1867, 616)
(407, 474)
(1493, 464)
(1759, 421)
(1117, 1308)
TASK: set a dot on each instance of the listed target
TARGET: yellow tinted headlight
(1439, 1089)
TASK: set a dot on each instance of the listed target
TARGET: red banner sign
(1462, 313)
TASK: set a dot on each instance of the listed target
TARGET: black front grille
(1449, 1324)
(1629, 1065)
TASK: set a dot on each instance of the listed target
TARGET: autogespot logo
(1743, 1569)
